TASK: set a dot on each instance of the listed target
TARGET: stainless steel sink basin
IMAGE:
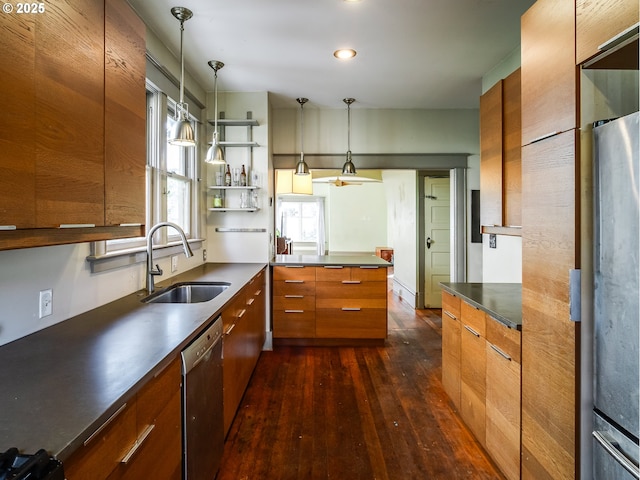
(188, 292)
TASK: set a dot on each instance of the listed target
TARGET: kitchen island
(329, 300)
(87, 381)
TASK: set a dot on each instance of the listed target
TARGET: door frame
(457, 211)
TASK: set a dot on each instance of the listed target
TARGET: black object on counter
(39, 466)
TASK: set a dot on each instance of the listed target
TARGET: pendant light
(182, 134)
(215, 154)
(302, 168)
(348, 168)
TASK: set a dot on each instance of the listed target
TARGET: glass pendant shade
(302, 168)
(182, 134)
(349, 168)
(215, 154)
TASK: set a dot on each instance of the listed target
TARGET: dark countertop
(503, 301)
(321, 260)
(58, 385)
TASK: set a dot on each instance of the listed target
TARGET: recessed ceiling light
(344, 53)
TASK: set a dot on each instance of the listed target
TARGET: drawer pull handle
(371, 267)
(472, 331)
(294, 266)
(104, 425)
(228, 331)
(450, 315)
(351, 282)
(294, 296)
(500, 352)
(242, 312)
(617, 455)
(347, 309)
(294, 281)
(250, 301)
(136, 446)
(294, 311)
(333, 266)
(258, 293)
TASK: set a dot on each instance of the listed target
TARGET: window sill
(131, 256)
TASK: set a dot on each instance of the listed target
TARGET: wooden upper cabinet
(491, 156)
(69, 89)
(511, 144)
(549, 72)
(500, 144)
(17, 116)
(124, 115)
(599, 21)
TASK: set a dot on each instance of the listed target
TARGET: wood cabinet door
(491, 156)
(503, 410)
(472, 380)
(550, 349)
(549, 73)
(18, 122)
(511, 157)
(451, 356)
(69, 87)
(598, 21)
(124, 115)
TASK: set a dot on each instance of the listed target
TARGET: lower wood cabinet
(451, 346)
(244, 326)
(473, 370)
(143, 439)
(481, 373)
(330, 302)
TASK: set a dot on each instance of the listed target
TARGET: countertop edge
(506, 321)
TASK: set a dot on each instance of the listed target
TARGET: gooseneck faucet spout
(151, 272)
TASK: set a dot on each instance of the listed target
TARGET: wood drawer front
(503, 418)
(331, 273)
(504, 338)
(293, 324)
(451, 358)
(157, 393)
(363, 323)
(473, 317)
(473, 412)
(339, 303)
(369, 274)
(294, 302)
(473, 382)
(294, 287)
(351, 290)
(103, 453)
(451, 304)
(294, 273)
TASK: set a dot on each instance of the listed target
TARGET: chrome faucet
(151, 272)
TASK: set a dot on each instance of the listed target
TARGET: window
(301, 219)
(171, 185)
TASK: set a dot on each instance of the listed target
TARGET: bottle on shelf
(227, 177)
(243, 177)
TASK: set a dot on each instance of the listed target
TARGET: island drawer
(294, 273)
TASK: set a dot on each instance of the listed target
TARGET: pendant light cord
(215, 103)
(181, 63)
(348, 127)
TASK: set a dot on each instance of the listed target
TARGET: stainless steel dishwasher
(202, 421)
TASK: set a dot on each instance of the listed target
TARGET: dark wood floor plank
(355, 412)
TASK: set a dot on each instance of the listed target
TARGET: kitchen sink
(188, 292)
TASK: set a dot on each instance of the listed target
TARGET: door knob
(429, 242)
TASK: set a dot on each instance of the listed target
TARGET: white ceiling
(422, 54)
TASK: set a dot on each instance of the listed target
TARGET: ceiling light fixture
(182, 134)
(302, 168)
(345, 53)
(349, 168)
(215, 155)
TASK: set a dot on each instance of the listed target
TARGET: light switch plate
(174, 263)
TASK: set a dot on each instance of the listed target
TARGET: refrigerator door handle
(616, 454)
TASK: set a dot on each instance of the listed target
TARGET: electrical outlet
(46, 303)
(492, 240)
(174, 263)
(204, 254)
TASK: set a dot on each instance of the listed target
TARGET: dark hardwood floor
(354, 413)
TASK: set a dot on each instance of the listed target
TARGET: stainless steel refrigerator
(616, 300)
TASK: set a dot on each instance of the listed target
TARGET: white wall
(401, 192)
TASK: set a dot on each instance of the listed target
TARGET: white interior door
(437, 242)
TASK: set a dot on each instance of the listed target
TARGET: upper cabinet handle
(620, 37)
(545, 136)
